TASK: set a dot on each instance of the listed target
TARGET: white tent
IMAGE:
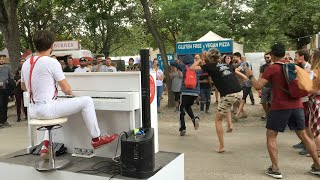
(211, 36)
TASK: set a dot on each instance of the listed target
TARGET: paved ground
(246, 156)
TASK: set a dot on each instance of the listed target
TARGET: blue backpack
(298, 80)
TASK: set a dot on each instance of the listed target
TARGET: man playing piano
(40, 76)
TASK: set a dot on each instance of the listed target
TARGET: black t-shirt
(68, 69)
(204, 76)
(224, 77)
(262, 70)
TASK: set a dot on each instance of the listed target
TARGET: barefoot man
(224, 78)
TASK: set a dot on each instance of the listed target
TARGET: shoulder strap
(279, 62)
(187, 68)
(32, 64)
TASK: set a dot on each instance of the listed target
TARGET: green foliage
(118, 26)
(284, 21)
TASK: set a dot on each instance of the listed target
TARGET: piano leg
(31, 137)
(132, 120)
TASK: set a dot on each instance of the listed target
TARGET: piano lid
(105, 81)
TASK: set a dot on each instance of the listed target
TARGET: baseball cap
(82, 59)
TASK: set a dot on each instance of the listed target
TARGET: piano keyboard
(117, 102)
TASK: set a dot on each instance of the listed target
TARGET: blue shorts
(279, 119)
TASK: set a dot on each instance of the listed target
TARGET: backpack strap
(285, 75)
(279, 62)
(187, 68)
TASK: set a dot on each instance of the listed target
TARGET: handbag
(11, 87)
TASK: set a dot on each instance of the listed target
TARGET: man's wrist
(250, 77)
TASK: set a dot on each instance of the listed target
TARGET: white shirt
(111, 69)
(46, 73)
(80, 69)
(158, 74)
(307, 66)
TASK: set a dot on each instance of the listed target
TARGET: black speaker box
(137, 154)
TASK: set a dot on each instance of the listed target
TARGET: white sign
(66, 45)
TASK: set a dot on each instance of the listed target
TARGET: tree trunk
(161, 46)
(11, 33)
(106, 48)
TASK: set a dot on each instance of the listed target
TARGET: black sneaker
(304, 152)
(298, 146)
(183, 132)
(2, 126)
(272, 173)
(195, 122)
(314, 170)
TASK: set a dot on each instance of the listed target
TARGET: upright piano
(117, 100)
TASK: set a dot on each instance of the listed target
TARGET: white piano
(117, 100)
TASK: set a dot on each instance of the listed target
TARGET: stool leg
(52, 164)
(51, 152)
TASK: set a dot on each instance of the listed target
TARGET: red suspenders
(32, 64)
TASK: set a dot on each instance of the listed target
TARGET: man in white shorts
(40, 76)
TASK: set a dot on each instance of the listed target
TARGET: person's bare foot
(220, 150)
(229, 130)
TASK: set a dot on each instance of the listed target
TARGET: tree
(290, 22)
(160, 42)
(56, 16)
(106, 22)
(10, 29)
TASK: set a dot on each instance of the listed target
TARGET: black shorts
(245, 92)
(177, 96)
(279, 119)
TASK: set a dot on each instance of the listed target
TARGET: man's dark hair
(278, 50)
(237, 54)
(267, 53)
(69, 57)
(131, 59)
(99, 56)
(43, 40)
(305, 53)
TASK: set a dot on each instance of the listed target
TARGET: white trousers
(66, 107)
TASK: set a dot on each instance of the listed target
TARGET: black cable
(113, 167)
(122, 133)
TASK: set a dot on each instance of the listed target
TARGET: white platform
(171, 167)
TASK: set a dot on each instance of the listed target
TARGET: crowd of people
(229, 77)
(233, 78)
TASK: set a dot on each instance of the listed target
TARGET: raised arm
(177, 65)
(195, 66)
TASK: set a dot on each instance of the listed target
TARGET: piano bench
(49, 124)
